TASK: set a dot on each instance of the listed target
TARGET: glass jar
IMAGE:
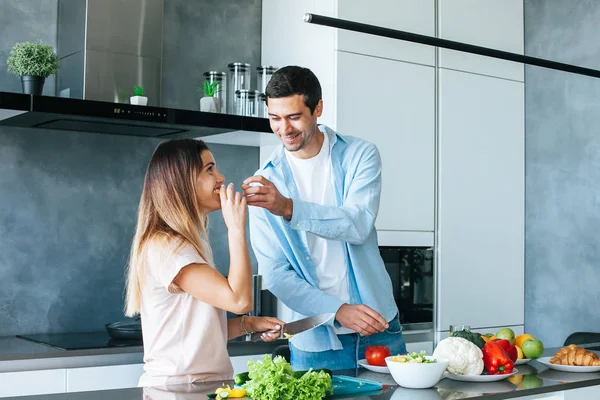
(261, 106)
(221, 93)
(263, 76)
(239, 79)
(246, 102)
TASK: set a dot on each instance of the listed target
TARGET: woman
(172, 282)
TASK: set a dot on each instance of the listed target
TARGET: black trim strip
(447, 44)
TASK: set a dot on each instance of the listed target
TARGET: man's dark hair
(291, 80)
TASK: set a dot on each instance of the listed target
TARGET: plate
(450, 386)
(566, 368)
(480, 378)
(375, 368)
(559, 376)
(522, 361)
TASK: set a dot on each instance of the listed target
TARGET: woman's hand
(265, 325)
(233, 207)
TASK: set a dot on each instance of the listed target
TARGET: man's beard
(302, 144)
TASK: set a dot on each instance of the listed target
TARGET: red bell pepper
(510, 349)
(496, 360)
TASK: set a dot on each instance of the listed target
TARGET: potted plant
(138, 98)
(33, 62)
(209, 102)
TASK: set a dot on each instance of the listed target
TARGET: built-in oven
(411, 271)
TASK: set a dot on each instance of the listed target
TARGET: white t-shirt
(313, 180)
(185, 339)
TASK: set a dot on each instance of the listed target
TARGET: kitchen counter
(18, 354)
(533, 379)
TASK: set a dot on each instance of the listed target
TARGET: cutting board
(344, 385)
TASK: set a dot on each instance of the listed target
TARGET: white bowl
(417, 376)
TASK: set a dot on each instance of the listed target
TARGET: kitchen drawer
(27, 383)
(103, 378)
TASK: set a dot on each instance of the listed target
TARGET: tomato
(376, 355)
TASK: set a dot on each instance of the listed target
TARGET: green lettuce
(273, 379)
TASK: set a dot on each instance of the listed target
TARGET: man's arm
(352, 222)
(279, 276)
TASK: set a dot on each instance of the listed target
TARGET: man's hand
(361, 318)
(267, 196)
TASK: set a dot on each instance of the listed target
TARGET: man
(312, 228)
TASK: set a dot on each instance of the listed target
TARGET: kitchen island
(534, 381)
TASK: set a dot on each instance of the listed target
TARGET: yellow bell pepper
(231, 393)
(488, 338)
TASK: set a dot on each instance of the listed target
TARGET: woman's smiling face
(209, 183)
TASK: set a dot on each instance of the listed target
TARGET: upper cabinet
(496, 24)
(415, 16)
(288, 40)
(399, 118)
(379, 89)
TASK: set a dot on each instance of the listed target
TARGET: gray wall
(562, 273)
(67, 215)
(25, 20)
(200, 36)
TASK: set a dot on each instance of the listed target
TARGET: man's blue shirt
(281, 248)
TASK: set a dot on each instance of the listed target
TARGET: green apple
(506, 334)
(532, 348)
(531, 381)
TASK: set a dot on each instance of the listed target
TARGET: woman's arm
(205, 283)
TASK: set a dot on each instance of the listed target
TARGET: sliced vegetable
(228, 391)
(414, 358)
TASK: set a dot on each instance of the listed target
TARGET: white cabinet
(496, 24)
(396, 112)
(468, 165)
(415, 16)
(103, 378)
(481, 201)
(387, 102)
(288, 40)
(27, 383)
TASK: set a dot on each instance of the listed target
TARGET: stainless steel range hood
(106, 47)
(46, 112)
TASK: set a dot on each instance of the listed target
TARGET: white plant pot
(138, 100)
(210, 104)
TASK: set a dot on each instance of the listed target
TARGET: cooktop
(79, 340)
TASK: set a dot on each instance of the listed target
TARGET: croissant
(575, 355)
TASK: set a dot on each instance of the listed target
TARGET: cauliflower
(464, 357)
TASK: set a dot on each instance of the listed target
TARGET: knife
(296, 327)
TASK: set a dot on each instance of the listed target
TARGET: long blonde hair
(168, 210)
